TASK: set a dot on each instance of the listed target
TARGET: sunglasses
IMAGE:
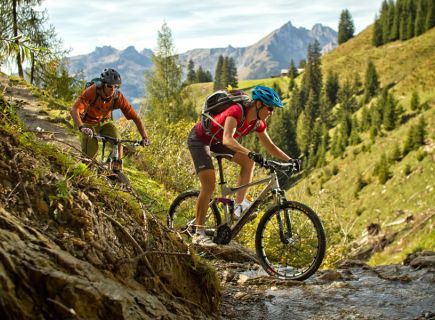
(269, 108)
(111, 86)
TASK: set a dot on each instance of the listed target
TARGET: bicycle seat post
(221, 171)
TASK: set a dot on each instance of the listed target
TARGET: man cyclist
(92, 113)
(264, 101)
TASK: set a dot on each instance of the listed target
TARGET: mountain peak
(105, 50)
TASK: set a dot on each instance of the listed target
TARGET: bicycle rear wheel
(182, 212)
(290, 241)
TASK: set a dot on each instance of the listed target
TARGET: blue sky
(84, 25)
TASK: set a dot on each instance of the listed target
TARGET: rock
(330, 275)
(350, 263)
(242, 279)
(423, 262)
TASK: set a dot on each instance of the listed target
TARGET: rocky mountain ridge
(261, 60)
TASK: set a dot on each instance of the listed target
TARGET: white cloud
(83, 25)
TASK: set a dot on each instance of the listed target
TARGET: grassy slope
(409, 64)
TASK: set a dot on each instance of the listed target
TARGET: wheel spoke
(181, 215)
(299, 255)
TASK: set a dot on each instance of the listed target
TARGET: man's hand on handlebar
(145, 142)
(297, 164)
(257, 157)
(87, 131)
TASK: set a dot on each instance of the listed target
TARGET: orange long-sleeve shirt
(101, 110)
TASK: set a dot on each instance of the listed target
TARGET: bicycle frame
(116, 148)
(272, 186)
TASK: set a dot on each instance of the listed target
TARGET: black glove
(258, 158)
(297, 164)
(145, 142)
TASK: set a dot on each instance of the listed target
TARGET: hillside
(404, 65)
(72, 244)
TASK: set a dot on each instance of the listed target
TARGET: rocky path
(353, 291)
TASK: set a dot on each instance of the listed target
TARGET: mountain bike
(290, 240)
(113, 173)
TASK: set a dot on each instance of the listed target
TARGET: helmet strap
(257, 110)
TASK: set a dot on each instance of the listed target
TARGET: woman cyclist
(201, 142)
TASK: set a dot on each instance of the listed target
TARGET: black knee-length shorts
(200, 151)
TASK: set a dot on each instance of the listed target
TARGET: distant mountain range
(261, 60)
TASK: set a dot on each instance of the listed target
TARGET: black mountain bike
(290, 241)
(109, 164)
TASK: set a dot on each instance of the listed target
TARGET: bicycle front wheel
(182, 215)
(290, 241)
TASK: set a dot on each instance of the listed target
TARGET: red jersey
(217, 132)
(101, 110)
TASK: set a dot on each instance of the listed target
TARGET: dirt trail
(32, 113)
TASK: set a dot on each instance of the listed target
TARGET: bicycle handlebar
(116, 141)
(293, 166)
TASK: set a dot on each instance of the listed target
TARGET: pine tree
(232, 73)
(332, 87)
(384, 21)
(411, 19)
(396, 155)
(218, 74)
(420, 132)
(23, 32)
(383, 170)
(324, 145)
(403, 28)
(201, 76)
(371, 85)
(292, 71)
(389, 116)
(365, 119)
(346, 98)
(346, 27)
(191, 74)
(163, 83)
(377, 33)
(335, 147)
(356, 83)
(354, 137)
(225, 75)
(395, 29)
(325, 109)
(415, 101)
(345, 130)
(420, 17)
(388, 21)
(303, 133)
(430, 16)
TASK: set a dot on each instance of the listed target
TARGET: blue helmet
(267, 95)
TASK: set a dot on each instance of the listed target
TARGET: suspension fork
(285, 228)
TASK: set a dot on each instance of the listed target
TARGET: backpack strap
(98, 95)
(208, 116)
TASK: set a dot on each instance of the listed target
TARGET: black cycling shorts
(200, 151)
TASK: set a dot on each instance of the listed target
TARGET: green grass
(408, 64)
(333, 196)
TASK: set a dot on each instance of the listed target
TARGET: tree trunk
(32, 69)
(17, 42)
